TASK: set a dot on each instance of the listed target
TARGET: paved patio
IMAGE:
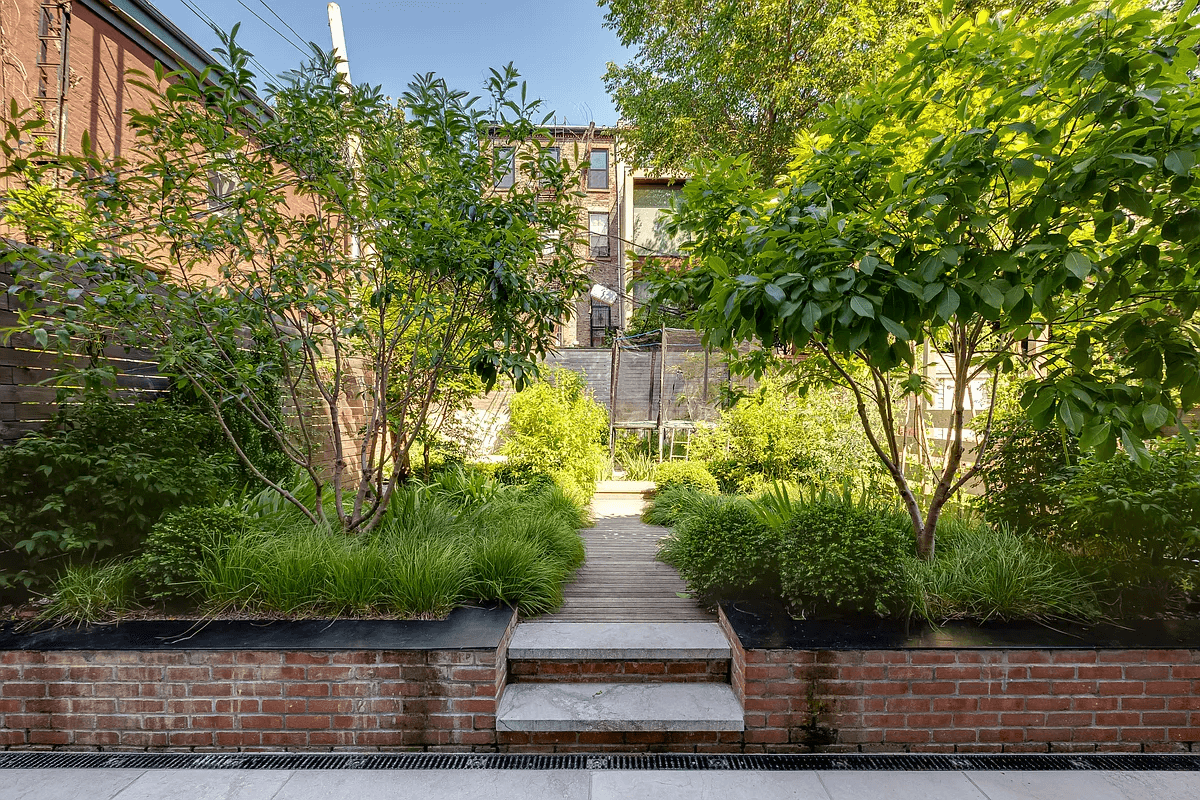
(118, 784)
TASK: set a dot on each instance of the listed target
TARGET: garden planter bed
(829, 686)
(239, 685)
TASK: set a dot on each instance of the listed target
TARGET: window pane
(598, 230)
(505, 156)
(554, 154)
(598, 170)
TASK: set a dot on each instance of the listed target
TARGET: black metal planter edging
(901, 762)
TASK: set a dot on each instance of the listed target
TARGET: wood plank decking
(621, 581)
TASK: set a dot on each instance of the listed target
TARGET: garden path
(621, 581)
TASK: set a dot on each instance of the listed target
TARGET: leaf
(894, 328)
(1145, 161)
(862, 306)
(43, 338)
(775, 293)
(991, 295)
(1079, 264)
(949, 304)
(1180, 161)
(810, 316)
(1155, 416)
(1071, 416)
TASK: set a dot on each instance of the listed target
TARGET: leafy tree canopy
(1014, 179)
(720, 77)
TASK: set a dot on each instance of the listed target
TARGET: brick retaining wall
(968, 700)
(246, 700)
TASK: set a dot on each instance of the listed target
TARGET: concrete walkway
(110, 784)
(621, 581)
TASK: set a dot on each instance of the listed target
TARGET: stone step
(618, 641)
(532, 707)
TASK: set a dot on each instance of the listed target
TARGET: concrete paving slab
(707, 786)
(205, 784)
(1088, 785)
(619, 640)
(900, 785)
(436, 785)
(65, 784)
(619, 707)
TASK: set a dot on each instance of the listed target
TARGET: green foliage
(91, 593)
(435, 548)
(844, 557)
(556, 428)
(1121, 510)
(458, 281)
(1023, 471)
(671, 505)
(670, 474)
(638, 466)
(717, 79)
(984, 573)
(772, 434)
(174, 553)
(94, 482)
(1010, 176)
(722, 549)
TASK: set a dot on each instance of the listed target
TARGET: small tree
(1013, 180)
(361, 247)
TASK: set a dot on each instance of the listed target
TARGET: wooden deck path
(621, 581)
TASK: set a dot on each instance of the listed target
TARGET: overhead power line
(284, 21)
(257, 16)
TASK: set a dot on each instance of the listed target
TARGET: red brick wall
(248, 700)
(968, 701)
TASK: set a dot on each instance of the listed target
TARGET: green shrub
(175, 551)
(426, 576)
(722, 549)
(96, 480)
(684, 473)
(985, 573)
(776, 433)
(1124, 510)
(90, 593)
(555, 428)
(1023, 472)
(844, 557)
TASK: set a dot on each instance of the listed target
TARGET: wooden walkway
(621, 581)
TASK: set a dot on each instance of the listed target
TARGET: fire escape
(54, 33)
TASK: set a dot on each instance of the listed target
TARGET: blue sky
(560, 48)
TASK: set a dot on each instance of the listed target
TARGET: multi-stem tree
(1013, 180)
(348, 253)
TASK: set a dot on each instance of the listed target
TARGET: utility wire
(284, 21)
(210, 22)
(257, 16)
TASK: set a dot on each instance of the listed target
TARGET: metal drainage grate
(900, 762)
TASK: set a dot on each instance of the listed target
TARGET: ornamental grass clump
(984, 573)
(88, 593)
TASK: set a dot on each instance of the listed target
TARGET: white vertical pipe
(353, 145)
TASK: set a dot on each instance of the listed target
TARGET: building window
(549, 243)
(598, 234)
(652, 207)
(506, 160)
(598, 170)
(554, 154)
(601, 323)
(223, 184)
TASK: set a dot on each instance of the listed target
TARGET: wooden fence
(28, 373)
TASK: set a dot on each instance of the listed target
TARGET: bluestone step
(619, 707)
(618, 640)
